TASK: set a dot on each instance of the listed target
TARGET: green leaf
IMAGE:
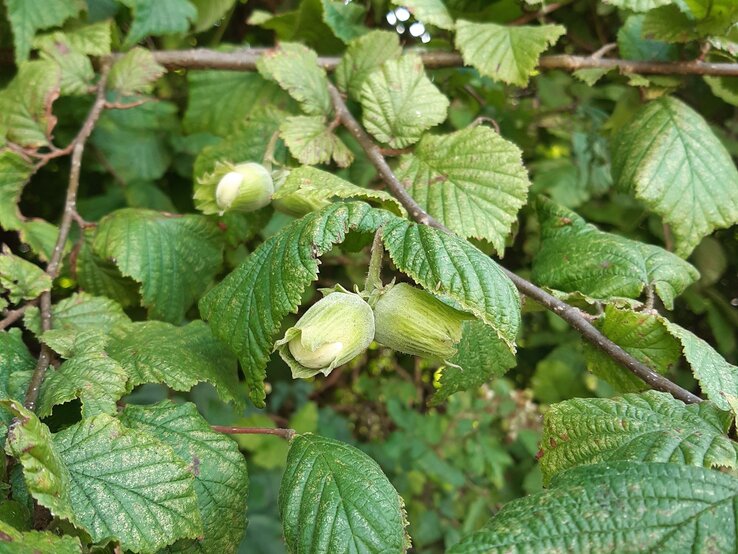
(173, 257)
(36, 542)
(716, 376)
(14, 356)
(93, 40)
(670, 24)
(210, 12)
(245, 310)
(25, 104)
(504, 53)
(158, 17)
(79, 312)
(630, 507)
(296, 69)
(644, 336)
(363, 56)
(134, 72)
(648, 427)
(576, 256)
(180, 357)
(334, 498)
(14, 174)
(22, 279)
(632, 45)
(345, 20)
(670, 159)
(26, 18)
(221, 477)
(453, 269)
(473, 181)
(639, 5)
(431, 12)
(311, 142)
(399, 102)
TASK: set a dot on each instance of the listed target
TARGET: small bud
(244, 187)
(413, 321)
(332, 332)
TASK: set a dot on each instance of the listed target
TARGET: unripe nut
(246, 188)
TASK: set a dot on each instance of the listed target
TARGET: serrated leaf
(79, 312)
(576, 256)
(93, 40)
(14, 174)
(670, 24)
(26, 18)
(209, 12)
(134, 72)
(473, 181)
(36, 542)
(345, 20)
(246, 308)
(639, 5)
(334, 498)
(644, 336)
(159, 17)
(41, 236)
(363, 56)
(22, 279)
(399, 102)
(173, 257)
(668, 157)
(311, 142)
(221, 477)
(305, 24)
(14, 356)
(504, 53)
(431, 12)
(77, 74)
(630, 507)
(453, 269)
(632, 45)
(648, 427)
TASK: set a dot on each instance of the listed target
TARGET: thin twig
(568, 313)
(284, 433)
(11, 316)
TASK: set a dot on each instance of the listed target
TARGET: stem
(284, 433)
(568, 313)
(11, 316)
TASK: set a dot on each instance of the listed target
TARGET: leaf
(14, 356)
(473, 181)
(716, 376)
(93, 40)
(22, 279)
(363, 56)
(79, 312)
(345, 20)
(630, 507)
(180, 357)
(430, 12)
(14, 174)
(639, 5)
(334, 498)
(210, 12)
(221, 477)
(670, 24)
(453, 269)
(399, 102)
(134, 72)
(159, 17)
(504, 53)
(25, 104)
(670, 159)
(27, 18)
(632, 45)
(246, 308)
(311, 142)
(173, 257)
(648, 427)
(576, 256)
(644, 336)
(41, 236)
(37, 542)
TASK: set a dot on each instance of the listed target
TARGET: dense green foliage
(181, 181)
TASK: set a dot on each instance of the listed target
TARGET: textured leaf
(345, 20)
(14, 174)
(158, 17)
(93, 40)
(670, 159)
(26, 18)
(644, 336)
(575, 256)
(40, 236)
(79, 312)
(209, 12)
(364, 55)
(173, 257)
(399, 102)
(334, 498)
(311, 142)
(245, 310)
(504, 53)
(431, 12)
(473, 181)
(453, 269)
(639, 5)
(180, 357)
(22, 279)
(296, 69)
(632, 45)
(36, 542)
(630, 507)
(14, 356)
(670, 24)
(134, 72)
(648, 427)
(221, 478)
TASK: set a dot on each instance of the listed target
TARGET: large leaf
(334, 498)
(671, 160)
(21, 278)
(364, 55)
(173, 257)
(399, 102)
(648, 427)
(575, 256)
(221, 477)
(473, 181)
(14, 173)
(311, 142)
(26, 18)
(245, 309)
(452, 268)
(505, 53)
(79, 312)
(134, 72)
(629, 506)
(431, 12)
(162, 17)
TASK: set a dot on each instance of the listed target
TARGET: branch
(11, 316)
(284, 433)
(568, 313)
